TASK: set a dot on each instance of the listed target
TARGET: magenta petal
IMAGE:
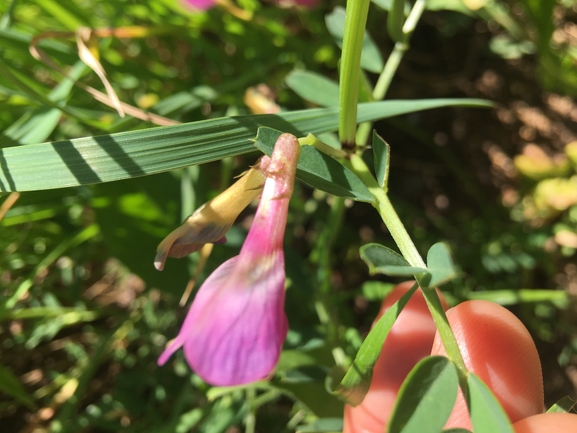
(201, 5)
(235, 328)
(234, 331)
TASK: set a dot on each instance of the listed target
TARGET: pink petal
(234, 331)
(200, 5)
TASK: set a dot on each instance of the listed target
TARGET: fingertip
(498, 348)
(409, 340)
(547, 423)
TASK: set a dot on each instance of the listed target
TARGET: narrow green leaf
(440, 265)
(319, 170)
(383, 260)
(31, 89)
(36, 125)
(10, 385)
(382, 153)
(314, 88)
(487, 415)
(185, 101)
(395, 20)
(426, 397)
(20, 41)
(8, 16)
(371, 58)
(565, 405)
(143, 152)
(559, 298)
(357, 380)
(62, 14)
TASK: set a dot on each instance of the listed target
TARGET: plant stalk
(355, 23)
(411, 254)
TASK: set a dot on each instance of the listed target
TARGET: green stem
(387, 212)
(355, 23)
(382, 86)
(250, 420)
(413, 19)
(446, 334)
(393, 61)
(411, 254)
(392, 64)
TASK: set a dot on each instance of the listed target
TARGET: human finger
(498, 348)
(409, 340)
(547, 423)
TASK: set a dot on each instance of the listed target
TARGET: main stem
(355, 22)
(411, 254)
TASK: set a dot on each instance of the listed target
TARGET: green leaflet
(487, 415)
(383, 260)
(355, 383)
(426, 397)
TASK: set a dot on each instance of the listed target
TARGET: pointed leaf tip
(382, 153)
(383, 260)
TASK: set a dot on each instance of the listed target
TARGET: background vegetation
(84, 314)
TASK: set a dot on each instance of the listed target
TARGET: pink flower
(235, 328)
(200, 5)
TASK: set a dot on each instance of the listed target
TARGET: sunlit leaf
(487, 415)
(355, 384)
(314, 88)
(426, 397)
(382, 153)
(36, 125)
(383, 260)
(319, 170)
(440, 265)
(565, 405)
(371, 58)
